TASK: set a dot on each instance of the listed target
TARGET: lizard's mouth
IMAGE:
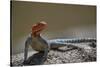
(37, 28)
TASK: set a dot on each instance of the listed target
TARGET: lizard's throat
(36, 34)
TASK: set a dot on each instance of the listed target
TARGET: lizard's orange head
(37, 28)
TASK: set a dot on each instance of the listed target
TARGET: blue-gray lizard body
(38, 43)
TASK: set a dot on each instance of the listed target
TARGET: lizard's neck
(35, 35)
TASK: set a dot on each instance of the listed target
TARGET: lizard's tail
(56, 43)
(78, 40)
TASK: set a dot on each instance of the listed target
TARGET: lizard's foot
(93, 45)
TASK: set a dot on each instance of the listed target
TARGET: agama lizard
(38, 43)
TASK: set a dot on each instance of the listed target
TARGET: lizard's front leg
(45, 54)
(26, 51)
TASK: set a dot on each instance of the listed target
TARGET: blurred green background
(64, 21)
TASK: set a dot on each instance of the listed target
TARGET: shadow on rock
(63, 50)
(35, 59)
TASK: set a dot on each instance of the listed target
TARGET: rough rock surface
(67, 54)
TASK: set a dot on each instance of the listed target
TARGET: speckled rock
(62, 55)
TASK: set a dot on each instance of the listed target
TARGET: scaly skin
(38, 43)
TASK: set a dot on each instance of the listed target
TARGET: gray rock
(60, 56)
